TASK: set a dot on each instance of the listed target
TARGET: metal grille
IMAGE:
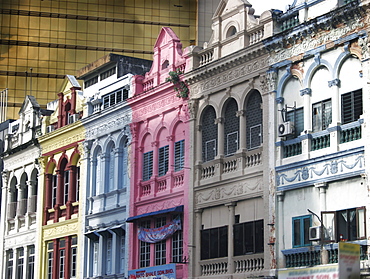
(254, 119)
(231, 128)
(209, 134)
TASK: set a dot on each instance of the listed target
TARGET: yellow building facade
(60, 220)
(42, 40)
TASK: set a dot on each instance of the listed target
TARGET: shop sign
(167, 271)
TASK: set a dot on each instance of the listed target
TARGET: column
(280, 230)
(197, 242)
(306, 93)
(322, 186)
(242, 129)
(230, 244)
(220, 137)
(20, 202)
(335, 102)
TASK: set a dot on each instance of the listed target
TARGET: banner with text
(167, 271)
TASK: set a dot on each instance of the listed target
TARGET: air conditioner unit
(286, 128)
(50, 128)
(314, 233)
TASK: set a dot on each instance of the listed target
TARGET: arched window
(209, 134)
(110, 162)
(231, 31)
(24, 195)
(254, 120)
(122, 164)
(33, 197)
(12, 203)
(231, 128)
(96, 172)
(64, 181)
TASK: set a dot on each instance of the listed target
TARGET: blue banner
(167, 271)
(158, 234)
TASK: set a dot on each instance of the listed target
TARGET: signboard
(167, 271)
(349, 260)
(330, 271)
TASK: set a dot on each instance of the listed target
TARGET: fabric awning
(178, 209)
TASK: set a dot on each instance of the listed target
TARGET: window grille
(108, 73)
(31, 262)
(232, 143)
(66, 186)
(254, 118)
(74, 257)
(160, 247)
(145, 248)
(115, 97)
(209, 134)
(231, 128)
(20, 263)
(91, 81)
(296, 116)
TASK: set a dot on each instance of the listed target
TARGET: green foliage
(179, 86)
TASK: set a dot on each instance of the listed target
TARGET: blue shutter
(163, 160)
(148, 165)
(179, 155)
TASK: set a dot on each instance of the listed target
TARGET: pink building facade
(159, 167)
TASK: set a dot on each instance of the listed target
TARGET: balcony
(311, 256)
(229, 167)
(333, 139)
(242, 265)
(161, 185)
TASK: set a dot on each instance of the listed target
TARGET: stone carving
(55, 232)
(230, 75)
(312, 42)
(229, 191)
(109, 125)
(160, 205)
(302, 176)
(193, 108)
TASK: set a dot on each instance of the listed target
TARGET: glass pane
(238, 240)
(223, 242)
(361, 223)
(296, 232)
(205, 244)
(306, 227)
(259, 236)
(328, 218)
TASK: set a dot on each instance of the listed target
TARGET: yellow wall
(45, 36)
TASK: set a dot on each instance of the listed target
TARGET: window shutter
(163, 160)
(179, 155)
(148, 165)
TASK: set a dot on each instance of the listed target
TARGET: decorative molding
(61, 230)
(159, 205)
(108, 125)
(155, 106)
(223, 76)
(334, 168)
(306, 91)
(225, 192)
(334, 82)
(313, 41)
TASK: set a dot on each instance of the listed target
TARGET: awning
(178, 209)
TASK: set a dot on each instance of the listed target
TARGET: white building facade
(319, 73)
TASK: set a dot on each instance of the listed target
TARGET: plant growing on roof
(178, 85)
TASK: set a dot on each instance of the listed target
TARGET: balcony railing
(323, 139)
(320, 141)
(242, 264)
(12, 209)
(292, 148)
(230, 165)
(162, 184)
(32, 204)
(350, 133)
(299, 258)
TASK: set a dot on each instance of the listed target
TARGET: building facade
(319, 73)
(159, 165)
(232, 198)
(20, 193)
(107, 150)
(60, 236)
